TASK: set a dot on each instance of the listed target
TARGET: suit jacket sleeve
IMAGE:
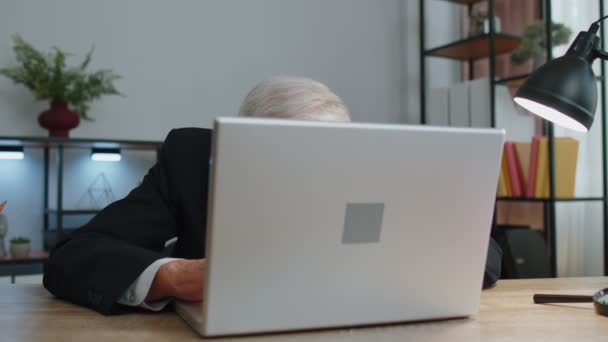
(98, 262)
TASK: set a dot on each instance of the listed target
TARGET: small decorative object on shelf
(98, 195)
(486, 25)
(70, 89)
(20, 247)
(534, 43)
(3, 229)
(479, 23)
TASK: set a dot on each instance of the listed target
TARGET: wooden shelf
(79, 143)
(513, 81)
(518, 81)
(465, 2)
(74, 211)
(573, 199)
(476, 47)
(33, 257)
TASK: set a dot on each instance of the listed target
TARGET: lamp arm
(603, 55)
(600, 19)
(595, 26)
(587, 44)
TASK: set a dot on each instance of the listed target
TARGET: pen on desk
(552, 298)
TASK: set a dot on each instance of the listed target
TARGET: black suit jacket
(99, 261)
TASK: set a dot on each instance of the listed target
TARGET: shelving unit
(31, 265)
(477, 47)
(56, 147)
(489, 46)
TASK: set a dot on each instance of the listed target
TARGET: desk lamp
(563, 90)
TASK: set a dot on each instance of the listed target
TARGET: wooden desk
(29, 313)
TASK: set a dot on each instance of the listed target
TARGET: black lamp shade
(563, 91)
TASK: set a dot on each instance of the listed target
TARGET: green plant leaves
(49, 77)
(19, 240)
(535, 40)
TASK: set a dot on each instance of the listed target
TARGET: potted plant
(534, 42)
(69, 89)
(20, 247)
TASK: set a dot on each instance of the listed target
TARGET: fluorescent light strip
(106, 156)
(11, 152)
(11, 155)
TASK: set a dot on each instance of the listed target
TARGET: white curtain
(579, 224)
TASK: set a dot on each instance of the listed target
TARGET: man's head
(294, 98)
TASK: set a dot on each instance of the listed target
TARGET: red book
(517, 187)
(531, 189)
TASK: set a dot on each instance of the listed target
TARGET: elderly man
(116, 259)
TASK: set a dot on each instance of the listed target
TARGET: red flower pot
(59, 119)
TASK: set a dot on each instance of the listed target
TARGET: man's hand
(182, 279)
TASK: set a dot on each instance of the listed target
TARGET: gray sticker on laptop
(362, 223)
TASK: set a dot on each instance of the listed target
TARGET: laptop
(316, 225)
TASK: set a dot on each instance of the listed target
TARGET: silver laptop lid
(315, 225)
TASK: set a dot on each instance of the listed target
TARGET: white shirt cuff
(136, 294)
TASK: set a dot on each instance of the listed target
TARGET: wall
(442, 25)
(580, 235)
(185, 62)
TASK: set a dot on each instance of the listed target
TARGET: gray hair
(294, 98)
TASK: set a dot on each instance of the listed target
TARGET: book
(438, 107)
(532, 168)
(566, 159)
(504, 183)
(517, 189)
(459, 105)
(479, 102)
(522, 150)
(541, 189)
